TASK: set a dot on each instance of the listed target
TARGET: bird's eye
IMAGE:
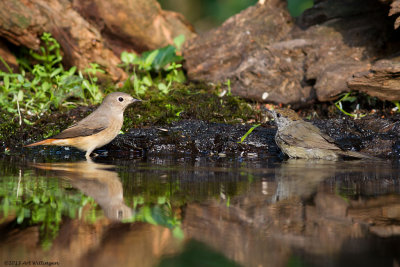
(120, 99)
(278, 115)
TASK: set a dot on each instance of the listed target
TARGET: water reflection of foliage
(31, 200)
(159, 184)
(160, 214)
(155, 195)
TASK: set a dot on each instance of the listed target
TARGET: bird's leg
(87, 155)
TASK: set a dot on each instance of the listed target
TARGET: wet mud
(372, 135)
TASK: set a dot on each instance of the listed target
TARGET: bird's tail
(45, 142)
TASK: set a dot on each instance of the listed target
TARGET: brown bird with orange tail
(97, 129)
(300, 139)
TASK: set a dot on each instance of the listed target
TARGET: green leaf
(136, 82)
(149, 58)
(163, 88)
(28, 122)
(72, 70)
(147, 215)
(6, 206)
(128, 58)
(147, 81)
(20, 96)
(248, 132)
(350, 99)
(161, 200)
(21, 216)
(177, 232)
(46, 86)
(56, 72)
(165, 56)
(178, 41)
(20, 78)
(7, 82)
(37, 56)
(36, 200)
(27, 84)
(86, 84)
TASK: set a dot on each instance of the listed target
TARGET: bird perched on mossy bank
(97, 129)
(300, 139)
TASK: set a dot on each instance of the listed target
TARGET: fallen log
(95, 31)
(270, 57)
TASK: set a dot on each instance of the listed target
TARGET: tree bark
(382, 80)
(138, 25)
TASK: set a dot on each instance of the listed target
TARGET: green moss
(13, 135)
(192, 101)
(8, 126)
(23, 21)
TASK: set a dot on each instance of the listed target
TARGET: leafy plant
(50, 55)
(347, 97)
(91, 85)
(160, 214)
(228, 85)
(159, 68)
(46, 85)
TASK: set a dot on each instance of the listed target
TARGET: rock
(247, 49)
(381, 81)
(395, 10)
(269, 57)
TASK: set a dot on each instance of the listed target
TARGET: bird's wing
(85, 127)
(304, 134)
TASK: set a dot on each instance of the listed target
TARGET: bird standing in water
(300, 139)
(97, 129)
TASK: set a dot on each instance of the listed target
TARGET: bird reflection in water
(300, 177)
(94, 180)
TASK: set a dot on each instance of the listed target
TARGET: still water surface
(188, 211)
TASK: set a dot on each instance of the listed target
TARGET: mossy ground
(193, 101)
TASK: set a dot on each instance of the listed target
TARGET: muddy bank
(371, 135)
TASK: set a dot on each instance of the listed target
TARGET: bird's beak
(135, 100)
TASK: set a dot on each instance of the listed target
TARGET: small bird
(300, 139)
(97, 129)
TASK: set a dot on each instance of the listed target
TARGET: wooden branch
(91, 31)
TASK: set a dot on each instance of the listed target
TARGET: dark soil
(371, 135)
